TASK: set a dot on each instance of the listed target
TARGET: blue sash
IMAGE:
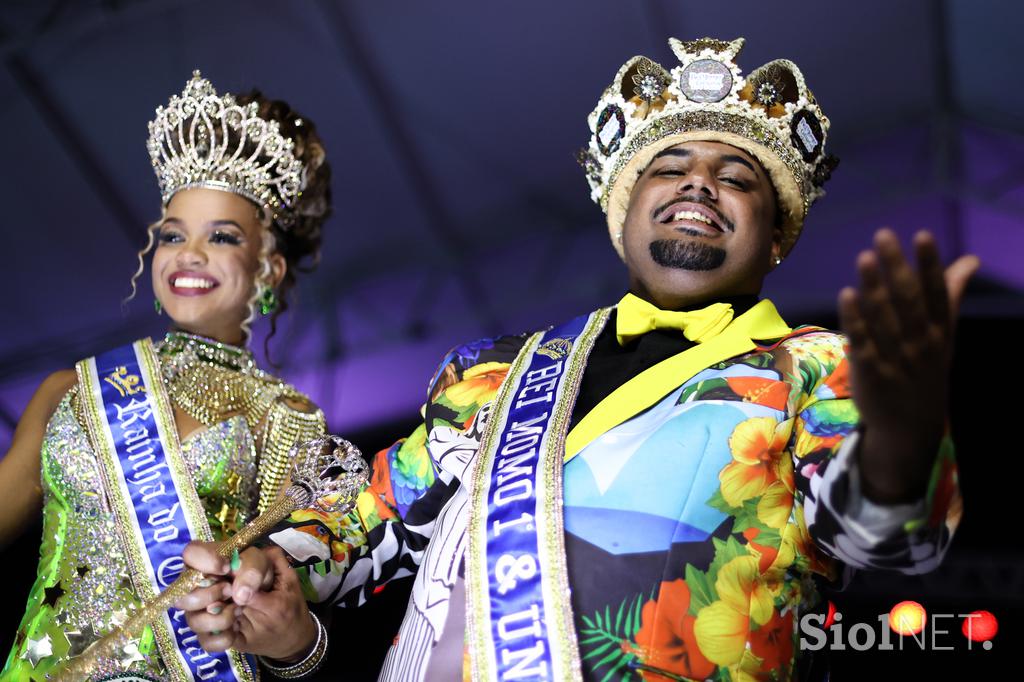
(150, 489)
(520, 616)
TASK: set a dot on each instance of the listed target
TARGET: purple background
(451, 227)
(460, 210)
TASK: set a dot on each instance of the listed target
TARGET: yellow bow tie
(636, 317)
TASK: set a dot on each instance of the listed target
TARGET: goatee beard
(686, 255)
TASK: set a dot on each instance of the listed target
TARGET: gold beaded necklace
(212, 381)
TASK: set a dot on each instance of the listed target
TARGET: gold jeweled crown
(202, 139)
(770, 114)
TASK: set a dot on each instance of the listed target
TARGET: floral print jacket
(692, 529)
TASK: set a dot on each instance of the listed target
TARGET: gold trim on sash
(549, 518)
(639, 393)
(478, 618)
(192, 508)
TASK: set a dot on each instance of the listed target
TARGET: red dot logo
(980, 626)
(907, 618)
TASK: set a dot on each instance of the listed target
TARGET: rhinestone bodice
(238, 461)
(83, 587)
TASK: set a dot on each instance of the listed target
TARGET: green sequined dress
(83, 587)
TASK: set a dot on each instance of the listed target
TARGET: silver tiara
(201, 139)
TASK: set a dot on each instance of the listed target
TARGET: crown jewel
(771, 114)
(202, 139)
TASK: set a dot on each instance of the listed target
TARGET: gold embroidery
(556, 349)
(126, 384)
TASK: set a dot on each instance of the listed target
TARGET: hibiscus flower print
(723, 628)
(666, 641)
(759, 460)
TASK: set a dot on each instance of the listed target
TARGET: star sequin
(37, 650)
(130, 654)
(79, 640)
(81, 571)
(53, 593)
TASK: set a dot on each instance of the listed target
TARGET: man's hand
(258, 608)
(900, 326)
(276, 623)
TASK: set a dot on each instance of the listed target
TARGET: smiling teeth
(192, 283)
(693, 215)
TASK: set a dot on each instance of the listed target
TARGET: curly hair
(295, 233)
(298, 238)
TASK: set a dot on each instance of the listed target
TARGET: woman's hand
(256, 608)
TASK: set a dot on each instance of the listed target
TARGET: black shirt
(611, 365)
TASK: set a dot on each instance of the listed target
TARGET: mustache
(696, 199)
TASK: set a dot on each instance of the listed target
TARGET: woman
(150, 445)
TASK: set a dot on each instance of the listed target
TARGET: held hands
(900, 325)
(257, 608)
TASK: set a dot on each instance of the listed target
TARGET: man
(644, 492)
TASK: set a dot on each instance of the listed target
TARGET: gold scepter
(328, 472)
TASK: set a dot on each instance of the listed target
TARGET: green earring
(157, 307)
(268, 301)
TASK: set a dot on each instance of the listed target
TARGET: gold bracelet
(309, 664)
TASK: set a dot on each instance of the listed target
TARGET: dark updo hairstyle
(297, 232)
